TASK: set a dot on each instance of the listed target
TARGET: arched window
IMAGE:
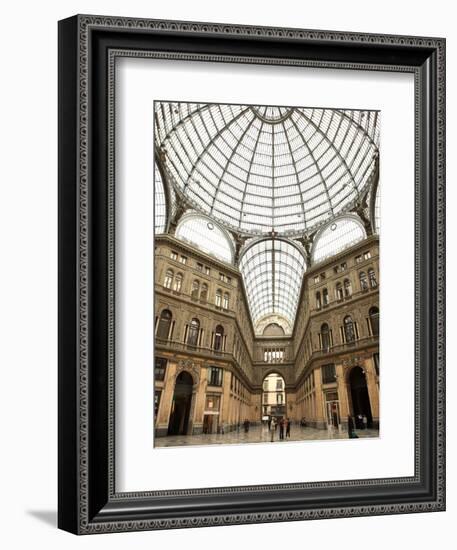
(372, 278)
(178, 282)
(325, 297)
(325, 337)
(206, 235)
(192, 335)
(374, 320)
(226, 300)
(363, 281)
(273, 395)
(349, 333)
(339, 291)
(337, 236)
(168, 278)
(318, 300)
(195, 290)
(163, 330)
(219, 338)
(347, 288)
(204, 292)
(218, 298)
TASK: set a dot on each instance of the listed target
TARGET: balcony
(347, 346)
(190, 348)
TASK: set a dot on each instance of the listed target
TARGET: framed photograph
(251, 274)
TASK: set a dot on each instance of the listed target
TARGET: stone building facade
(210, 364)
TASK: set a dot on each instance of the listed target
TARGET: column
(198, 402)
(166, 400)
(373, 390)
(342, 394)
(320, 418)
(225, 400)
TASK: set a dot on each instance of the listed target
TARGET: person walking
(222, 427)
(273, 428)
(281, 428)
(365, 421)
(288, 428)
(351, 430)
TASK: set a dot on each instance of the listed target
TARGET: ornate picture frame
(88, 500)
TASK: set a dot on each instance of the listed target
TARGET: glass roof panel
(337, 236)
(272, 271)
(377, 210)
(258, 168)
(160, 204)
(205, 235)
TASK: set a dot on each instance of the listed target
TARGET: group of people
(284, 427)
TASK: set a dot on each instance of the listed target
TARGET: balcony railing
(347, 346)
(184, 346)
(338, 301)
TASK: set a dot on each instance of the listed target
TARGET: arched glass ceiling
(337, 236)
(255, 169)
(205, 235)
(160, 203)
(272, 271)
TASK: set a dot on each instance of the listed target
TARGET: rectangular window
(367, 255)
(174, 255)
(215, 376)
(228, 280)
(358, 259)
(331, 396)
(207, 270)
(159, 368)
(376, 362)
(322, 276)
(199, 266)
(212, 403)
(328, 374)
(344, 266)
(316, 279)
(221, 277)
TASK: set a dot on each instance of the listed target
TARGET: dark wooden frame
(88, 502)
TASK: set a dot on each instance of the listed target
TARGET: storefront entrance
(180, 408)
(360, 399)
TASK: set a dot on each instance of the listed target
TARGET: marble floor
(258, 434)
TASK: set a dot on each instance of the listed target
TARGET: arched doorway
(180, 407)
(360, 398)
(273, 397)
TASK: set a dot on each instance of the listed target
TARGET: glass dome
(260, 168)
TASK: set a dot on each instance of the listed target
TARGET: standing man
(273, 428)
(281, 428)
(288, 427)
